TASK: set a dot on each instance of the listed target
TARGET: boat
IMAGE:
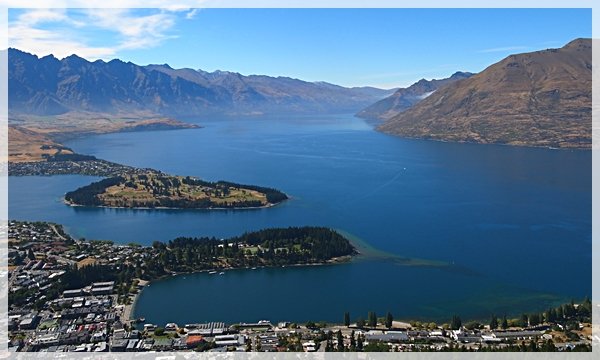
(221, 273)
(140, 320)
(212, 272)
(253, 268)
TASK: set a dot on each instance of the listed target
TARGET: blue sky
(350, 47)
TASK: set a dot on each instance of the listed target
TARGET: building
(72, 293)
(193, 340)
(390, 336)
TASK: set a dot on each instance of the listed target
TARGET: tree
(456, 322)
(550, 315)
(360, 323)
(504, 323)
(159, 331)
(346, 319)
(340, 341)
(524, 320)
(359, 342)
(534, 319)
(493, 322)
(372, 319)
(472, 325)
(389, 319)
(377, 346)
(560, 315)
(30, 254)
(352, 341)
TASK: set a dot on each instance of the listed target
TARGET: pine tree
(389, 319)
(494, 322)
(372, 319)
(359, 342)
(346, 319)
(340, 341)
(456, 322)
(360, 323)
(524, 320)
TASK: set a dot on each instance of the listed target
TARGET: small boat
(253, 268)
(221, 273)
(212, 272)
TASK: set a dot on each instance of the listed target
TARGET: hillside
(405, 98)
(542, 98)
(26, 145)
(49, 86)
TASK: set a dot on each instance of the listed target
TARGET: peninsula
(158, 190)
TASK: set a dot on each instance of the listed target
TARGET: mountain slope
(405, 98)
(49, 86)
(543, 98)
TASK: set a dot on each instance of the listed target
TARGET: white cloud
(190, 15)
(58, 32)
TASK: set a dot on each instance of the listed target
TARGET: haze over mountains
(49, 86)
(405, 98)
(542, 98)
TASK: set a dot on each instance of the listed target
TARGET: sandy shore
(128, 310)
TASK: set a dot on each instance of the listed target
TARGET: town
(76, 164)
(68, 295)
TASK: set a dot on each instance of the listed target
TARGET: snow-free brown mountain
(542, 98)
(405, 98)
(49, 86)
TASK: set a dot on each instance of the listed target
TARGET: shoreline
(268, 205)
(129, 310)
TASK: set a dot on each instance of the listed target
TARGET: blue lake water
(514, 222)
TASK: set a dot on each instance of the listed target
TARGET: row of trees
(372, 320)
(560, 314)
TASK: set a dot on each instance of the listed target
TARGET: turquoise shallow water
(514, 223)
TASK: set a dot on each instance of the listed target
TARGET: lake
(512, 223)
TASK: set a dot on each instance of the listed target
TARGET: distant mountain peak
(540, 98)
(405, 98)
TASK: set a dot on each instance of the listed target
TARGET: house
(517, 335)
(193, 340)
(390, 336)
(230, 340)
(29, 322)
(149, 327)
(131, 345)
(162, 344)
(309, 346)
(171, 327)
(119, 345)
(72, 293)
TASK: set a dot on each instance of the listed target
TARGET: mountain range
(406, 98)
(541, 98)
(49, 86)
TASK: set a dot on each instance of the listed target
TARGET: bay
(512, 223)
